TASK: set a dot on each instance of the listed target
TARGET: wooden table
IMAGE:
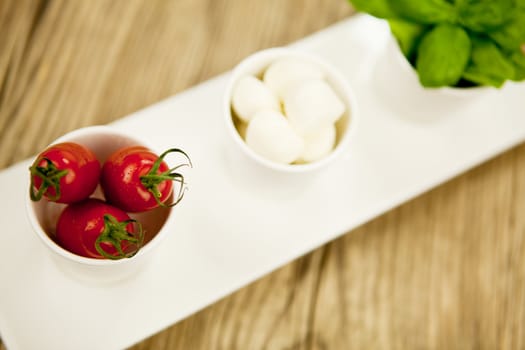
(446, 270)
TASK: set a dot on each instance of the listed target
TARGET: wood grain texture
(444, 271)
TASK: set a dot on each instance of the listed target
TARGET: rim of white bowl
(55, 247)
(245, 67)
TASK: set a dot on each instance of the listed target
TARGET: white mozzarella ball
(284, 73)
(320, 144)
(270, 135)
(251, 95)
(312, 104)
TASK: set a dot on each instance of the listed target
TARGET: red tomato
(64, 173)
(95, 229)
(136, 179)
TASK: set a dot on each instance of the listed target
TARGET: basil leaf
(484, 15)
(425, 11)
(518, 59)
(443, 55)
(512, 35)
(376, 8)
(408, 35)
(488, 65)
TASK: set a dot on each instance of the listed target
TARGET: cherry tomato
(64, 173)
(135, 179)
(95, 229)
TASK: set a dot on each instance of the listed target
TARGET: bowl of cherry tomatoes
(101, 200)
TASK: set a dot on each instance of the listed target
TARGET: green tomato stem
(50, 176)
(152, 179)
(115, 233)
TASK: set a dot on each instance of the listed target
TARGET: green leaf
(443, 55)
(408, 35)
(485, 15)
(488, 65)
(376, 8)
(518, 59)
(425, 11)
(512, 35)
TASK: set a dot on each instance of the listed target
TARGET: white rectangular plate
(232, 228)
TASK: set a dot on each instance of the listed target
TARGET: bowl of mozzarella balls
(289, 110)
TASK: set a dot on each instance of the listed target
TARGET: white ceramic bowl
(255, 65)
(43, 215)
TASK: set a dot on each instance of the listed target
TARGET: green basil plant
(459, 43)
